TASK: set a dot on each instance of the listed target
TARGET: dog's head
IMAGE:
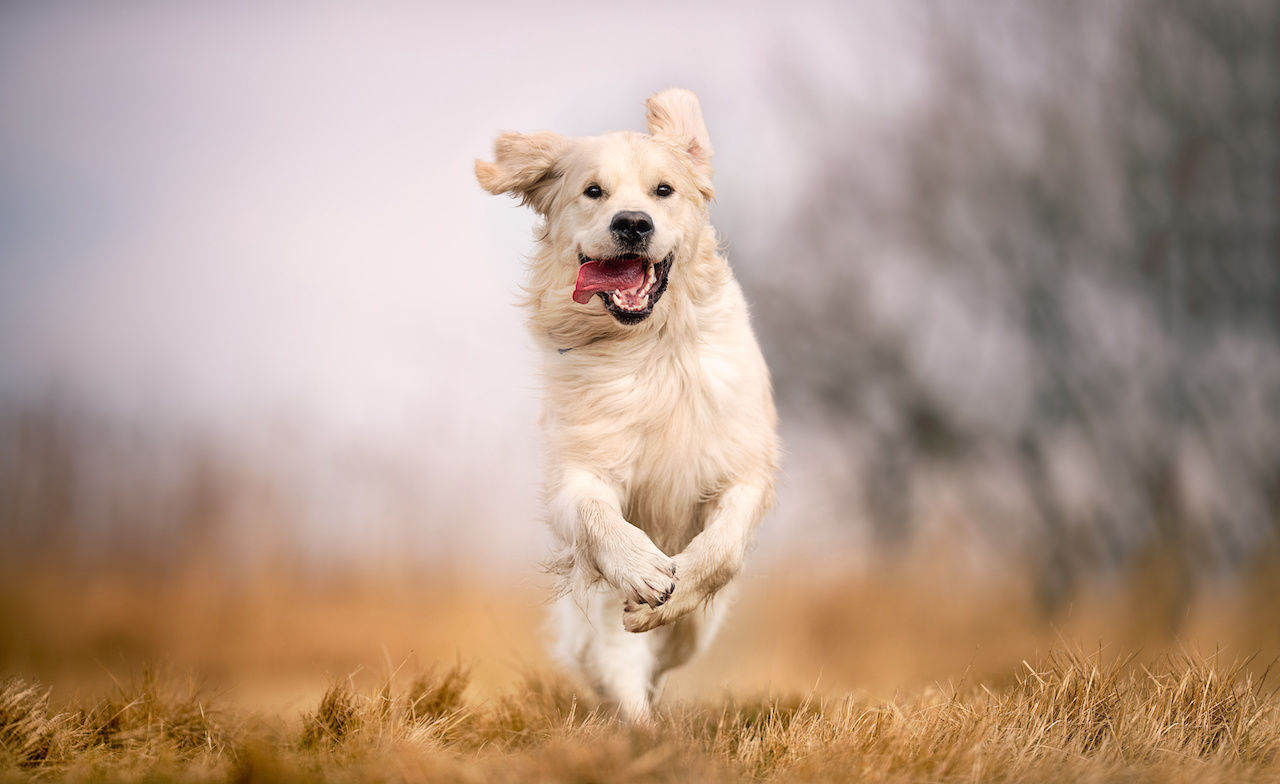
(620, 209)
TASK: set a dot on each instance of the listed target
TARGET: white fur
(661, 435)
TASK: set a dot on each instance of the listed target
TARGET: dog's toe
(661, 598)
(640, 618)
(651, 598)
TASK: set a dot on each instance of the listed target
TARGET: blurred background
(268, 410)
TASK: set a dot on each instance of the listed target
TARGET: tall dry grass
(1067, 717)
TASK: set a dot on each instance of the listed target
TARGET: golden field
(915, 673)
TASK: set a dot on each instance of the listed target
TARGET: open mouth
(629, 285)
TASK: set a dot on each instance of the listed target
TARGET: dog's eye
(664, 190)
(593, 191)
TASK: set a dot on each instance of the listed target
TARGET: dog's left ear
(676, 116)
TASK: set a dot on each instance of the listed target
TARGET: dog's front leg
(711, 560)
(598, 543)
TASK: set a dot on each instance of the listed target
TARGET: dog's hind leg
(618, 664)
(678, 642)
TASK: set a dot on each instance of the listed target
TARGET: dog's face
(626, 205)
(620, 208)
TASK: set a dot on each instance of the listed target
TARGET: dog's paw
(640, 572)
(649, 583)
(692, 591)
(638, 617)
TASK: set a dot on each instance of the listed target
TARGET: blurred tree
(1052, 289)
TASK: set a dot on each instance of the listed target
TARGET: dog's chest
(660, 425)
(675, 400)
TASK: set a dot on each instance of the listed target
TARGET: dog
(658, 414)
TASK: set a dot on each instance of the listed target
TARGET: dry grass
(828, 679)
(815, 678)
(1070, 716)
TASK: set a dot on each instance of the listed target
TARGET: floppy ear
(676, 116)
(525, 165)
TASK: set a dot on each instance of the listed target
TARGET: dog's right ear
(525, 165)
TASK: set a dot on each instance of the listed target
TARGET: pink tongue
(607, 275)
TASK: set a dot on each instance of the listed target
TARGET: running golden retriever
(658, 414)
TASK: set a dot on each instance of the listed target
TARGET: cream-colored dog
(658, 414)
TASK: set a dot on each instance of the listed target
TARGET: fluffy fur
(661, 434)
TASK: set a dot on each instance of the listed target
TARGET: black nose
(631, 227)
